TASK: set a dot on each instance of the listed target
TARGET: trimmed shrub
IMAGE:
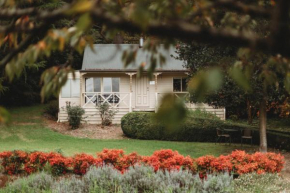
(164, 160)
(35, 162)
(81, 163)
(106, 113)
(140, 125)
(59, 164)
(199, 126)
(52, 109)
(75, 115)
(13, 161)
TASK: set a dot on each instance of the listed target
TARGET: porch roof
(108, 58)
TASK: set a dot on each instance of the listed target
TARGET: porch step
(92, 116)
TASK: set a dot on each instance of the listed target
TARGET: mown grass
(28, 132)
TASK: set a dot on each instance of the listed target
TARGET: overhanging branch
(185, 31)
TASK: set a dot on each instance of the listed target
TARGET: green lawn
(28, 132)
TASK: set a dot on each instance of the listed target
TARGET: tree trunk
(263, 125)
(249, 108)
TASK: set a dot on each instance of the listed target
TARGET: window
(116, 84)
(106, 85)
(93, 84)
(179, 85)
(109, 84)
(71, 89)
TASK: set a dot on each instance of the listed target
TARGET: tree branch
(240, 7)
(237, 6)
(12, 13)
(184, 30)
(24, 44)
(39, 31)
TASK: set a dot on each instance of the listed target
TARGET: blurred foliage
(171, 112)
(5, 117)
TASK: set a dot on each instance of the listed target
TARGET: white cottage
(103, 79)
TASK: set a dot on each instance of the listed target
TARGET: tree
(184, 20)
(236, 100)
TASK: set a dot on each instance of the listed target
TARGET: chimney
(141, 41)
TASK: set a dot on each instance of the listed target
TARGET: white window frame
(102, 83)
(180, 85)
(71, 88)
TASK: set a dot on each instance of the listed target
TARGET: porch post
(130, 102)
(156, 90)
(81, 89)
(131, 90)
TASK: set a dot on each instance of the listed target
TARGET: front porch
(124, 92)
(122, 102)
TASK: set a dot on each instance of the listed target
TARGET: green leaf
(239, 77)
(5, 116)
(287, 82)
(205, 82)
(84, 22)
(171, 113)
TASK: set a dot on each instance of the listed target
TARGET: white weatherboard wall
(70, 92)
(164, 85)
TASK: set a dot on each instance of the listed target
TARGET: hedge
(200, 127)
(239, 162)
(140, 125)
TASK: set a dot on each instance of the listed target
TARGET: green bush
(141, 179)
(52, 109)
(106, 113)
(35, 183)
(254, 183)
(199, 126)
(75, 115)
(140, 125)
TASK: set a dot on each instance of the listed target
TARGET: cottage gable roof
(108, 57)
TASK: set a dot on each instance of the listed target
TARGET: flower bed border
(239, 162)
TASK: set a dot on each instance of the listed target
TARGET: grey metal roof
(108, 57)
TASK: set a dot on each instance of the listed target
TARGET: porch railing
(114, 99)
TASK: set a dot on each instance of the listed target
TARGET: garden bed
(164, 171)
(91, 131)
(239, 162)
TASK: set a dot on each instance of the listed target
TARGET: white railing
(114, 99)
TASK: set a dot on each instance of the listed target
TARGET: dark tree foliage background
(237, 101)
(25, 90)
